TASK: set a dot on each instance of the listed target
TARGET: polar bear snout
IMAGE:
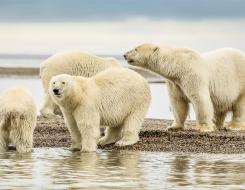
(129, 57)
(56, 91)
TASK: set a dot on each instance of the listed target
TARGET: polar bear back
(122, 92)
(17, 100)
(226, 70)
(74, 63)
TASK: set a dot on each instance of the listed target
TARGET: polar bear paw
(235, 127)
(125, 141)
(23, 149)
(74, 149)
(51, 116)
(88, 149)
(174, 127)
(205, 128)
(75, 146)
(105, 140)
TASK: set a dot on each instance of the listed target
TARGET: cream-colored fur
(117, 98)
(17, 119)
(72, 63)
(213, 82)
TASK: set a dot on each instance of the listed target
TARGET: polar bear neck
(82, 90)
(170, 63)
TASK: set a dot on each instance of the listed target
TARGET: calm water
(58, 168)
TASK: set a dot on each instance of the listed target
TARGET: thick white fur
(17, 119)
(72, 63)
(213, 82)
(117, 98)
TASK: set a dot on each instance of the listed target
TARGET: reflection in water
(58, 168)
(179, 171)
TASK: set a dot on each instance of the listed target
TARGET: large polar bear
(72, 63)
(117, 98)
(17, 119)
(213, 82)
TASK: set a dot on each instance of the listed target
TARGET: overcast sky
(114, 26)
(100, 10)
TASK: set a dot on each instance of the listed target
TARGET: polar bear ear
(155, 49)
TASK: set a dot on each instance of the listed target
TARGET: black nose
(56, 91)
(125, 56)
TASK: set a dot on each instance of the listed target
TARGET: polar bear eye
(63, 82)
(53, 82)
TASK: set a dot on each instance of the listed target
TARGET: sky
(112, 27)
(101, 10)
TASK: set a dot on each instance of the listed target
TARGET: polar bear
(17, 119)
(213, 82)
(117, 98)
(72, 63)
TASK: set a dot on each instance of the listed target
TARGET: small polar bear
(213, 82)
(17, 119)
(72, 63)
(117, 98)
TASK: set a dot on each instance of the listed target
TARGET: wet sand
(153, 137)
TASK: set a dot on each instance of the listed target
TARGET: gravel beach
(153, 137)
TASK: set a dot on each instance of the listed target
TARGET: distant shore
(153, 137)
(34, 72)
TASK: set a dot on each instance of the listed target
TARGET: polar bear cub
(72, 63)
(17, 119)
(117, 98)
(213, 82)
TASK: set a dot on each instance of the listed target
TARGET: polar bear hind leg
(238, 118)
(3, 137)
(204, 111)
(179, 105)
(219, 119)
(112, 135)
(21, 133)
(130, 128)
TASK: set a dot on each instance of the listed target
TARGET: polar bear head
(60, 86)
(141, 55)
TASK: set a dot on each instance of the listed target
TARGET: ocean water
(58, 168)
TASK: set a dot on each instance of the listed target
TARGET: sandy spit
(153, 137)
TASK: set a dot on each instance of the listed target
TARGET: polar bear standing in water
(213, 82)
(72, 63)
(117, 98)
(17, 119)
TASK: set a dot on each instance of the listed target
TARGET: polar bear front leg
(179, 105)
(74, 132)
(88, 123)
(203, 108)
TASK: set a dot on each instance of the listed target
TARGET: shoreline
(153, 137)
(34, 72)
